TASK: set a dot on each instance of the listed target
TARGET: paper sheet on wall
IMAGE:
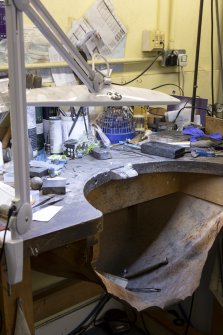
(86, 38)
(79, 30)
(99, 30)
(103, 19)
(61, 76)
(36, 45)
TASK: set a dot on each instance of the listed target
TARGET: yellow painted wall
(139, 15)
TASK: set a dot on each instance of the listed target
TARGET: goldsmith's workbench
(67, 244)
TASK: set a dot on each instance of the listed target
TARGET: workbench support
(9, 296)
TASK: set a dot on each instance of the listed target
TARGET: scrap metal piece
(126, 172)
(100, 153)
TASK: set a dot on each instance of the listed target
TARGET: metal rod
(17, 93)
(197, 60)
(22, 216)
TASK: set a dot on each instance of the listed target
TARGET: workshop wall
(177, 19)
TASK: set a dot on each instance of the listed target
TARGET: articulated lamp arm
(39, 15)
(22, 215)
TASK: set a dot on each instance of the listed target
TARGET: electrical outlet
(174, 57)
(152, 40)
(182, 59)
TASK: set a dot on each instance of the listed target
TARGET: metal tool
(148, 269)
(144, 289)
(43, 201)
(50, 203)
(201, 153)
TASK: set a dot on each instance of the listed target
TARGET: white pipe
(4, 67)
(158, 13)
(172, 19)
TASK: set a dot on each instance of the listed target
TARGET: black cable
(184, 314)
(181, 110)
(81, 328)
(212, 57)
(10, 212)
(190, 314)
(146, 69)
(195, 107)
(197, 59)
(169, 84)
(144, 324)
(219, 40)
(97, 313)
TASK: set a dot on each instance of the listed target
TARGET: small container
(139, 122)
(47, 113)
(56, 139)
(39, 128)
(70, 148)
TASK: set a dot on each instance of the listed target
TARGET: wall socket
(174, 57)
(152, 40)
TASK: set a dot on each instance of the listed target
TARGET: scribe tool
(46, 204)
(124, 281)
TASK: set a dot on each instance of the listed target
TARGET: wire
(219, 40)
(181, 110)
(146, 69)
(200, 17)
(81, 328)
(144, 324)
(196, 107)
(190, 314)
(169, 84)
(11, 210)
(212, 56)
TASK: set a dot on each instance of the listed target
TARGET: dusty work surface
(78, 218)
(176, 218)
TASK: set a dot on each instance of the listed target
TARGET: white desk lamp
(94, 92)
